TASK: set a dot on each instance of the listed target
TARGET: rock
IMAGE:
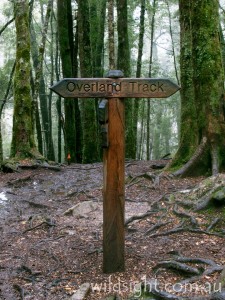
(219, 196)
(82, 292)
(82, 210)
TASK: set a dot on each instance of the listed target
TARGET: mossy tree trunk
(189, 135)
(40, 86)
(123, 64)
(97, 29)
(6, 96)
(65, 31)
(90, 151)
(208, 79)
(111, 34)
(23, 144)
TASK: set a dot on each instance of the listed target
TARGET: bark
(139, 65)
(207, 77)
(77, 108)
(173, 44)
(189, 135)
(111, 33)
(90, 151)
(6, 95)
(23, 144)
(36, 116)
(97, 29)
(50, 145)
(148, 142)
(123, 64)
(66, 53)
(99, 55)
(58, 103)
(188, 167)
(39, 85)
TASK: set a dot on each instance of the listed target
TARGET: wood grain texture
(115, 88)
(113, 190)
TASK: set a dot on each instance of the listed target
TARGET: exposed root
(192, 219)
(139, 217)
(182, 172)
(179, 267)
(156, 226)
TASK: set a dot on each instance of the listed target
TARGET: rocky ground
(51, 235)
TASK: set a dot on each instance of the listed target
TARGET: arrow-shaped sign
(115, 88)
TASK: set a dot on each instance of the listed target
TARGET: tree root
(197, 260)
(207, 272)
(18, 288)
(188, 204)
(192, 219)
(174, 230)
(39, 225)
(178, 267)
(139, 217)
(16, 164)
(151, 289)
(213, 224)
(148, 175)
(191, 163)
(132, 182)
(156, 226)
(186, 229)
(19, 180)
(179, 264)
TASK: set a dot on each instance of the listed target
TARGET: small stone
(219, 195)
(82, 210)
(82, 292)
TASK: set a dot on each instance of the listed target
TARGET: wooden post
(113, 187)
(115, 89)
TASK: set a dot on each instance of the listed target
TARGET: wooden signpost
(112, 119)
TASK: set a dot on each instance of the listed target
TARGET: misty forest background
(180, 40)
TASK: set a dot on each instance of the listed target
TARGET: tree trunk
(58, 103)
(50, 145)
(208, 79)
(208, 76)
(111, 34)
(138, 71)
(150, 75)
(172, 41)
(90, 151)
(66, 50)
(79, 130)
(40, 88)
(189, 134)
(23, 144)
(2, 107)
(123, 64)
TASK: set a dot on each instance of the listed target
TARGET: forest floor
(46, 253)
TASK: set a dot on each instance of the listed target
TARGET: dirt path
(47, 254)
